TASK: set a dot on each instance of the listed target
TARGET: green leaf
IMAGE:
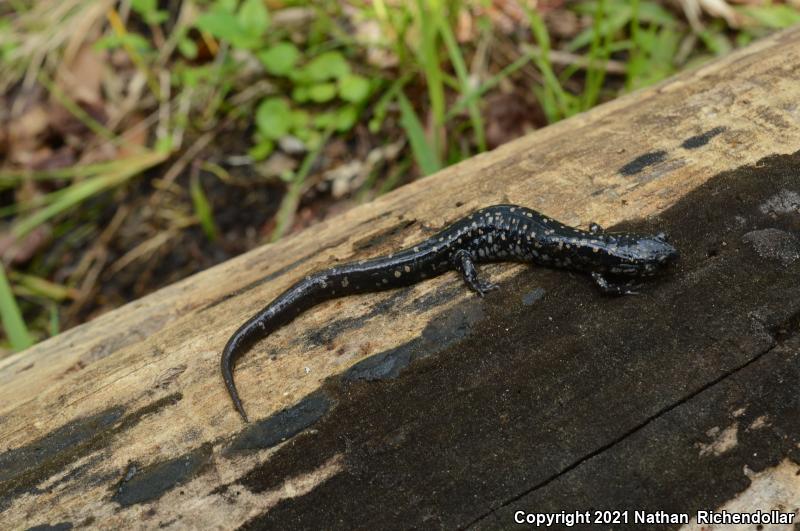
(322, 92)
(148, 9)
(220, 23)
(188, 48)
(328, 65)
(353, 88)
(262, 150)
(346, 118)
(253, 18)
(280, 58)
(13, 323)
(193, 76)
(273, 118)
(303, 133)
(324, 120)
(300, 119)
(226, 5)
(300, 76)
(426, 158)
(300, 93)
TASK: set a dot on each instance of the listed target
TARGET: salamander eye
(662, 236)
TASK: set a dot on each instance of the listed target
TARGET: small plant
(325, 94)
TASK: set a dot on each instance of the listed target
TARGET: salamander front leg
(463, 262)
(610, 288)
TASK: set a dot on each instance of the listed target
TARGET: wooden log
(429, 406)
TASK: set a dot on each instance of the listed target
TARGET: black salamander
(500, 233)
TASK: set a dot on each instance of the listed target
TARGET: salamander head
(637, 255)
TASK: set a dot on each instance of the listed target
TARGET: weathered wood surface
(429, 406)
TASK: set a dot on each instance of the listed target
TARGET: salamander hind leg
(464, 263)
(610, 288)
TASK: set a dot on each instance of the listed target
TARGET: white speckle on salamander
(345, 282)
(397, 274)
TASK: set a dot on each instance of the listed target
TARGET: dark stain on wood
(283, 425)
(61, 526)
(697, 141)
(444, 330)
(23, 469)
(641, 162)
(151, 482)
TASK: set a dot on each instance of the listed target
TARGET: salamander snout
(659, 251)
(639, 255)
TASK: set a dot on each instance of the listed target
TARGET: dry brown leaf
(81, 78)
(465, 27)
(18, 251)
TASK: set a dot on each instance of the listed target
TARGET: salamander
(500, 233)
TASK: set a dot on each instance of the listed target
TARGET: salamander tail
(226, 364)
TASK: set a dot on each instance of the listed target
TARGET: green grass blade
(202, 208)
(290, 201)
(635, 64)
(598, 54)
(427, 158)
(428, 54)
(10, 178)
(31, 285)
(460, 67)
(608, 26)
(78, 192)
(556, 102)
(486, 86)
(13, 323)
(54, 321)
